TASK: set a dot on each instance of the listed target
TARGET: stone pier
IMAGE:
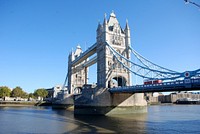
(102, 102)
(110, 73)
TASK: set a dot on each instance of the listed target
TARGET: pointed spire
(127, 26)
(113, 14)
(99, 25)
(127, 34)
(105, 24)
(105, 20)
(72, 52)
(78, 46)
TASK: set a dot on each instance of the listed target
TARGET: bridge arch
(117, 81)
(77, 90)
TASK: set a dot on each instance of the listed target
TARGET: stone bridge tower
(110, 73)
(77, 75)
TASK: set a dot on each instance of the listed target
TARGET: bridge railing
(166, 86)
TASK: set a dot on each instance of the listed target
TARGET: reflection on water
(159, 119)
(103, 124)
(123, 124)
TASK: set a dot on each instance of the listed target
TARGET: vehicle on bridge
(148, 81)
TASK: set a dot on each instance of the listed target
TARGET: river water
(169, 119)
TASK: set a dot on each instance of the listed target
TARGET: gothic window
(109, 63)
(110, 53)
(118, 51)
(119, 31)
(124, 54)
(117, 39)
(113, 66)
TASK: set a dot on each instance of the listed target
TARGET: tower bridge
(114, 92)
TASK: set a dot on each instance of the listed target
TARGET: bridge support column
(128, 103)
(86, 75)
(102, 102)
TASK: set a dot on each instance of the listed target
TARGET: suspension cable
(175, 75)
(140, 58)
(63, 87)
(114, 51)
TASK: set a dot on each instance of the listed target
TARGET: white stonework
(77, 75)
(110, 73)
(108, 69)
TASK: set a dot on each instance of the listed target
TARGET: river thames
(165, 119)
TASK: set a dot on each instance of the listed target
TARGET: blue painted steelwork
(149, 70)
(181, 85)
(148, 63)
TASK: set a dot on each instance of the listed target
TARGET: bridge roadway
(181, 85)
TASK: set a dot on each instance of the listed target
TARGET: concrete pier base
(66, 103)
(102, 102)
(95, 110)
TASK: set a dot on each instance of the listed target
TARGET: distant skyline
(36, 36)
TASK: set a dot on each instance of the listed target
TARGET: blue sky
(36, 36)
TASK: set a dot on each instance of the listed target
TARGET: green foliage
(24, 95)
(41, 93)
(17, 92)
(4, 91)
(31, 95)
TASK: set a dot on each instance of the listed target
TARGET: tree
(24, 95)
(31, 95)
(41, 93)
(4, 91)
(17, 92)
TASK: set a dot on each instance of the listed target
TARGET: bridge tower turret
(127, 34)
(128, 43)
(109, 72)
(111, 38)
(76, 74)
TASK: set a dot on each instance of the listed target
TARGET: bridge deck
(194, 84)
